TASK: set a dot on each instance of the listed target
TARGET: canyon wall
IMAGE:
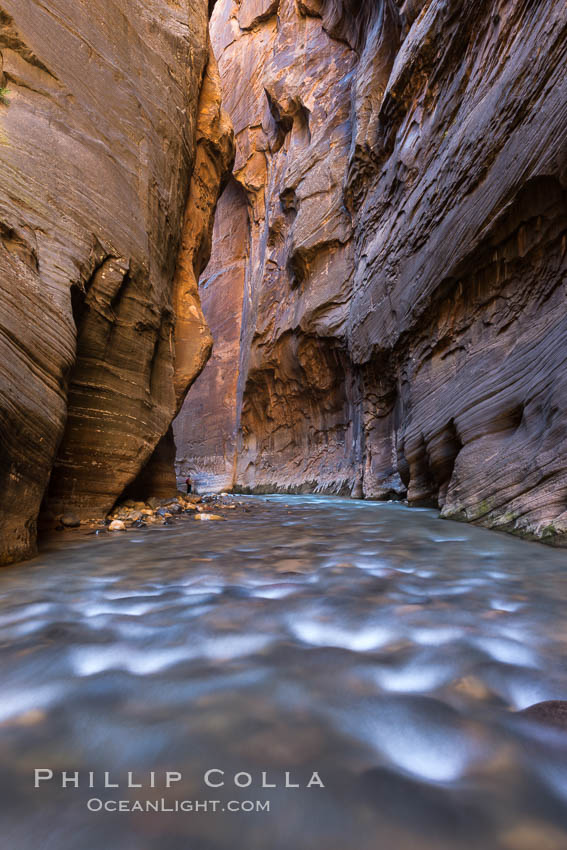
(110, 127)
(290, 403)
(207, 429)
(403, 270)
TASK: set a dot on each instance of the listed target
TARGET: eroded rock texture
(286, 86)
(97, 145)
(460, 278)
(404, 315)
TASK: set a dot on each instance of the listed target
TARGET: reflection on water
(379, 646)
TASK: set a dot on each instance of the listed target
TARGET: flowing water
(385, 650)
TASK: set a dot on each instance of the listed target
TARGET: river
(375, 653)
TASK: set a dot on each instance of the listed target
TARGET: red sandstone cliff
(280, 416)
(102, 128)
(398, 294)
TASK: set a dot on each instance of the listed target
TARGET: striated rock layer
(214, 159)
(404, 322)
(105, 103)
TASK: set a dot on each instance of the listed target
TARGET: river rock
(70, 521)
(154, 502)
(388, 284)
(206, 517)
(117, 525)
(551, 713)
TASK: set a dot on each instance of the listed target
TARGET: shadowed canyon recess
(386, 288)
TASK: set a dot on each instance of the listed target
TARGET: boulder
(70, 520)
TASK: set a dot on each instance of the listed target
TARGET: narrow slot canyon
(283, 444)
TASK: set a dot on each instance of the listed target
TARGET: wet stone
(550, 713)
(208, 516)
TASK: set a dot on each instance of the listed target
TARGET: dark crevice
(15, 243)
(294, 116)
(449, 447)
(11, 39)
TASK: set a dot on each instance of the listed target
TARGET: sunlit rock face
(279, 399)
(205, 435)
(403, 321)
(98, 145)
(214, 158)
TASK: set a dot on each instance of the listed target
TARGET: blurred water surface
(384, 648)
